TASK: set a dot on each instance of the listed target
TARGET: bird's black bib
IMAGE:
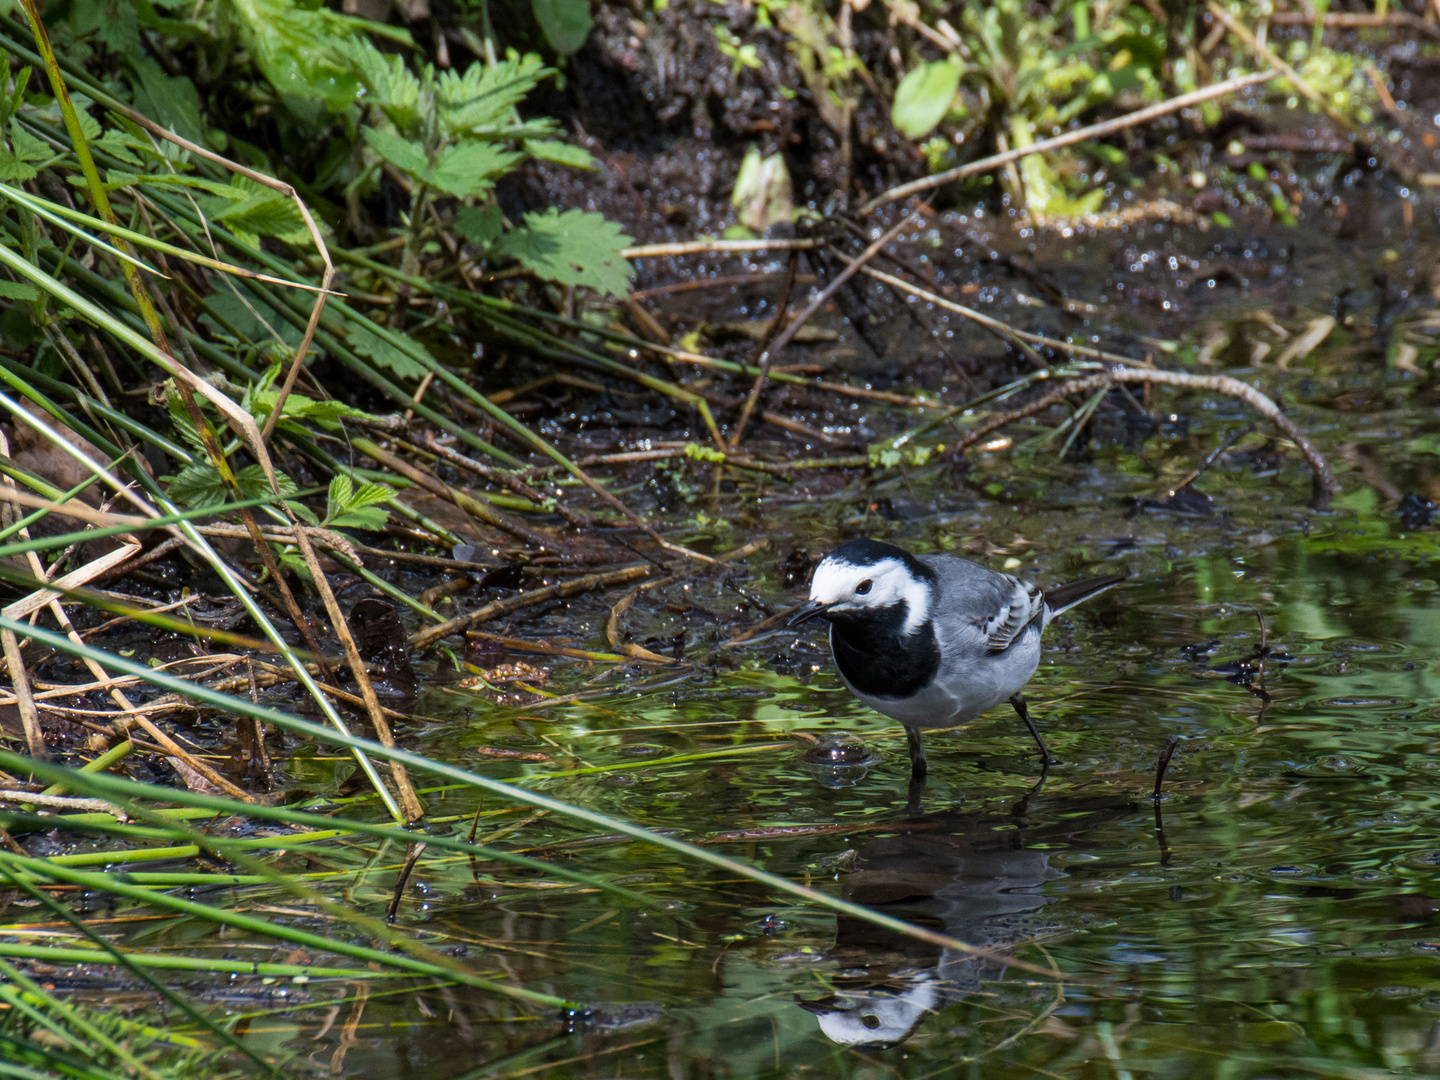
(878, 658)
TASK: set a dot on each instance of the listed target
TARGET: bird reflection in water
(977, 878)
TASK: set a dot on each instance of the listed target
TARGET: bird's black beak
(808, 611)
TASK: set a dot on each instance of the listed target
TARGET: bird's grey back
(967, 590)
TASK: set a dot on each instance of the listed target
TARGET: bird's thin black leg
(1018, 701)
(918, 769)
(918, 766)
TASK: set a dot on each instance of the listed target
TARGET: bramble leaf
(199, 485)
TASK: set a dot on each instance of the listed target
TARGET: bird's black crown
(872, 552)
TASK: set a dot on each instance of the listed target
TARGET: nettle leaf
(199, 485)
(405, 155)
(481, 226)
(18, 290)
(265, 213)
(561, 153)
(170, 99)
(923, 97)
(294, 46)
(389, 84)
(368, 343)
(120, 144)
(470, 168)
(566, 23)
(483, 98)
(574, 248)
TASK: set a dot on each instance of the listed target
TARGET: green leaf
(119, 144)
(337, 498)
(573, 248)
(372, 519)
(1424, 444)
(1365, 500)
(483, 99)
(368, 343)
(470, 168)
(266, 213)
(389, 84)
(228, 309)
(405, 155)
(299, 407)
(561, 153)
(566, 23)
(18, 290)
(295, 46)
(199, 485)
(303, 512)
(27, 146)
(170, 99)
(923, 97)
(12, 168)
(481, 226)
(184, 427)
(356, 508)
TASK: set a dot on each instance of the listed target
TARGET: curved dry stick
(1324, 481)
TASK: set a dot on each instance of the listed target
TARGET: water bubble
(838, 749)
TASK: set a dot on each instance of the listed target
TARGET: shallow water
(1274, 915)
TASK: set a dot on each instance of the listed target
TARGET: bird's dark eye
(863, 587)
(870, 1020)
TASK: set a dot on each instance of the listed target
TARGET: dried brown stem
(502, 478)
(409, 801)
(477, 508)
(714, 247)
(496, 608)
(764, 354)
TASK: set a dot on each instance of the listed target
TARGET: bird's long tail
(1065, 597)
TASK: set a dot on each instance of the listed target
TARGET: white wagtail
(932, 640)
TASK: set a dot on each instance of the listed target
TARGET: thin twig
(1094, 131)
(424, 638)
(1324, 483)
(764, 355)
(1164, 763)
(35, 798)
(712, 247)
(995, 324)
(1307, 91)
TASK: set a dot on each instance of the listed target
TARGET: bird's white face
(844, 587)
(872, 1019)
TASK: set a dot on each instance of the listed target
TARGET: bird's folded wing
(1024, 605)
